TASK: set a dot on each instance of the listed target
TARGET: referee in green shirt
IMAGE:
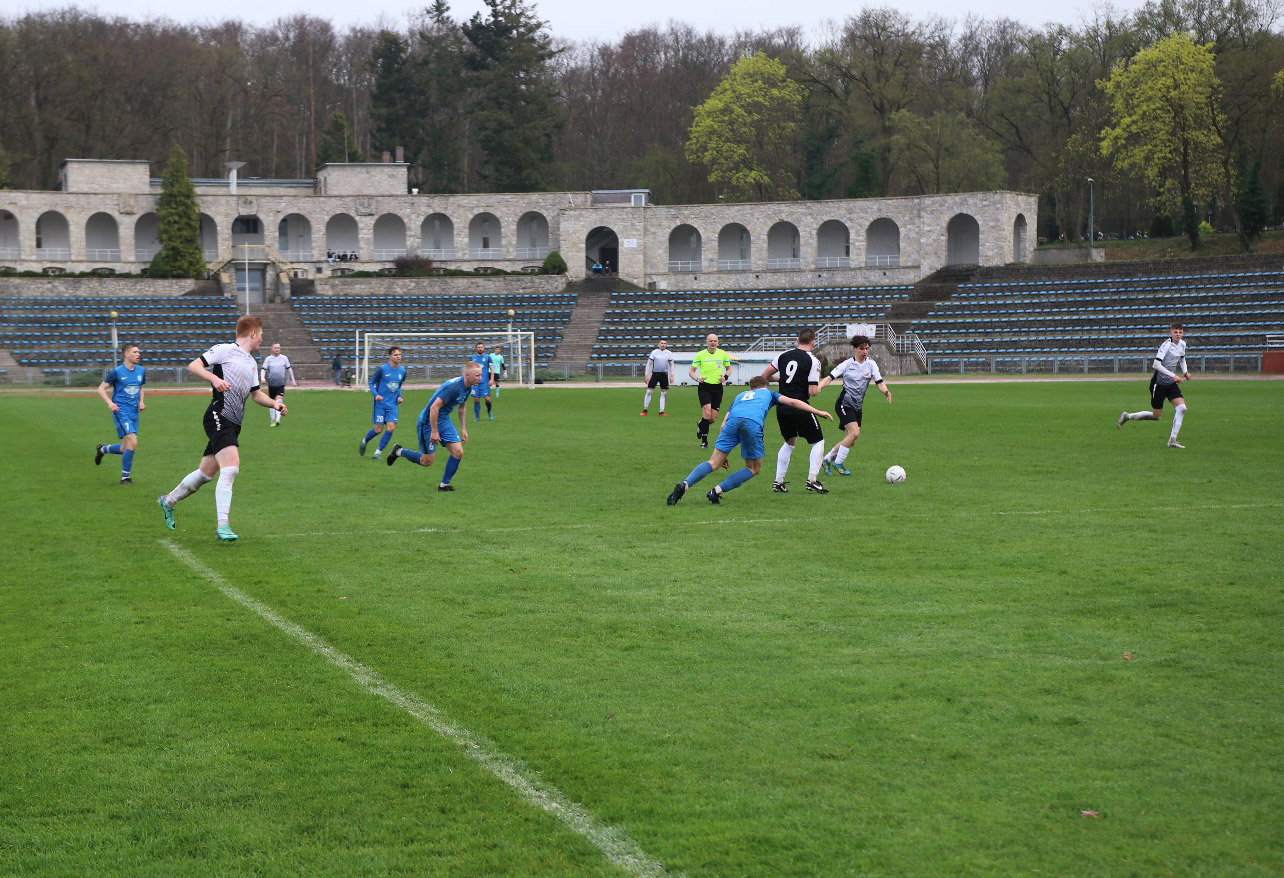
(711, 368)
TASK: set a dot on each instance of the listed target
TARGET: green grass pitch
(1052, 616)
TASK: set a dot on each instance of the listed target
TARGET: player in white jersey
(858, 372)
(232, 373)
(275, 369)
(1170, 371)
(659, 363)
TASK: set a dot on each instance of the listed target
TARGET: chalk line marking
(614, 844)
(543, 528)
(1124, 509)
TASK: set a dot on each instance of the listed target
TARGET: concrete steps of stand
(281, 323)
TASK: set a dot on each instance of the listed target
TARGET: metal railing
(242, 252)
(1274, 340)
(53, 252)
(882, 261)
(145, 254)
(485, 253)
(532, 252)
(782, 262)
(10, 253)
(684, 265)
(437, 253)
(1084, 364)
(733, 265)
(387, 254)
(210, 255)
(103, 254)
(297, 255)
(833, 262)
(906, 343)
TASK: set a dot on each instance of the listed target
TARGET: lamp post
(232, 168)
(511, 314)
(1092, 231)
(115, 341)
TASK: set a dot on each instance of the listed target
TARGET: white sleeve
(216, 354)
(775, 362)
(813, 377)
(837, 371)
(877, 375)
(1158, 365)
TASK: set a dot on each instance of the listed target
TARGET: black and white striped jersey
(239, 369)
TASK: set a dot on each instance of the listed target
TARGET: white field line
(496, 530)
(1122, 509)
(614, 844)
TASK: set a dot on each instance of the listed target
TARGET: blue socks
(412, 456)
(373, 433)
(451, 465)
(126, 463)
(383, 439)
(477, 411)
(698, 473)
(112, 449)
(735, 480)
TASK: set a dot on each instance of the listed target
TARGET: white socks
(782, 461)
(843, 451)
(274, 416)
(1178, 416)
(1143, 416)
(223, 492)
(190, 484)
(663, 394)
(813, 462)
(646, 400)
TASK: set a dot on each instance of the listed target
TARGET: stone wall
(114, 287)
(440, 286)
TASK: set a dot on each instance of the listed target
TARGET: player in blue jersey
(125, 383)
(482, 389)
(385, 387)
(435, 428)
(742, 425)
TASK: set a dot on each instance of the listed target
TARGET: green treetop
(180, 223)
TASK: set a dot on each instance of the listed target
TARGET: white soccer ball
(895, 474)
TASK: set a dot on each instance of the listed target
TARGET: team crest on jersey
(133, 389)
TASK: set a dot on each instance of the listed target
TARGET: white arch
(783, 246)
(833, 245)
(294, 238)
(389, 237)
(532, 235)
(209, 238)
(686, 249)
(735, 248)
(342, 241)
(485, 237)
(53, 236)
(10, 244)
(146, 237)
(247, 229)
(882, 243)
(963, 240)
(1020, 241)
(437, 237)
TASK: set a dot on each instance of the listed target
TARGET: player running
(799, 372)
(497, 368)
(275, 369)
(858, 371)
(232, 373)
(434, 427)
(385, 386)
(742, 426)
(712, 369)
(1170, 371)
(482, 389)
(126, 401)
(659, 363)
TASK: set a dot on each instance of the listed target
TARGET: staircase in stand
(593, 294)
(936, 287)
(281, 323)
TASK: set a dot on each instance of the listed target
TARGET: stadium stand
(334, 320)
(634, 320)
(1016, 319)
(58, 334)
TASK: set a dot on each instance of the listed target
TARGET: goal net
(433, 357)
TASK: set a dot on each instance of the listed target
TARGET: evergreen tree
(1253, 206)
(180, 223)
(336, 143)
(6, 176)
(394, 99)
(443, 94)
(508, 57)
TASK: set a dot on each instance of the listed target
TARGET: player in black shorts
(799, 372)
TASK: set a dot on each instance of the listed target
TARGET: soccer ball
(895, 474)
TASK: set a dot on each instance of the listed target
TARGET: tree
(180, 223)
(6, 169)
(1164, 106)
(746, 133)
(336, 143)
(513, 112)
(1252, 205)
(944, 153)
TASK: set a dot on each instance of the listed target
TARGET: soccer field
(1055, 649)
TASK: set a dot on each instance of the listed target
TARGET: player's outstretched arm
(887, 391)
(103, 388)
(769, 372)
(807, 407)
(197, 368)
(268, 402)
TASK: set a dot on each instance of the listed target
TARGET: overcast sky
(582, 20)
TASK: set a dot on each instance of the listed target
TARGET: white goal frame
(519, 350)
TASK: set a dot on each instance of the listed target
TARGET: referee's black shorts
(711, 395)
(222, 433)
(795, 423)
(276, 390)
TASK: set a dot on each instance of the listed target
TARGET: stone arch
(437, 237)
(389, 237)
(882, 243)
(342, 239)
(735, 248)
(602, 245)
(686, 249)
(10, 246)
(784, 246)
(102, 238)
(833, 245)
(247, 229)
(532, 235)
(294, 238)
(146, 237)
(485, 237)
(209, 237)
(53, 236)
(963, 240)
(1019, 239)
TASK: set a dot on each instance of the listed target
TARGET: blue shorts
(126, 423)
(747, 434)
(481, 389)
(385, 412)
(445, 428)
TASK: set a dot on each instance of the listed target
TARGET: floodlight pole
(232, 168)
(1092, 232)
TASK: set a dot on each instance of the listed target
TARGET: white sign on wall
(869, 330)
(629, 243)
